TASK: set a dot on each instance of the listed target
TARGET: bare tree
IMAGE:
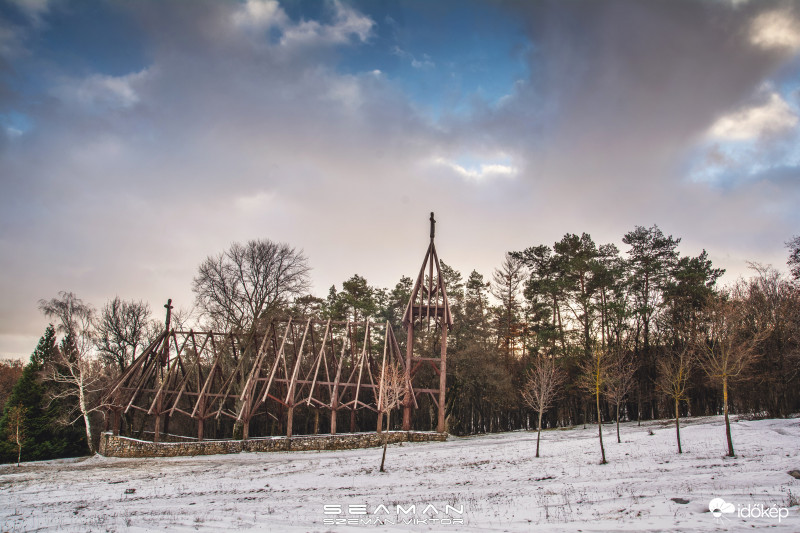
(771, 307)
(392, 393)
(541, 389)
(74, 368)
(124, 328)
(621, 381)
(244, 283)
(674, 370)
(16, 428)
(594, 380)
(236, 287)
(725, 355)
(794, 257)
(10, 372)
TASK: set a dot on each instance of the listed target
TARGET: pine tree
(46, 350)
(45, 437)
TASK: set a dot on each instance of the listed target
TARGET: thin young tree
(594, 379)
(16, 428)
(674, 370)
(541, 388)
(621, 381)
(74, 369)
(725, 355)
(392, 393)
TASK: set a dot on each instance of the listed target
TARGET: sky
(137, 138)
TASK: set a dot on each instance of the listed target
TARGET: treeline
(641, 308)
(634, 333)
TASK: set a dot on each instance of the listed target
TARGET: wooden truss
(320, 364)
(327, 365)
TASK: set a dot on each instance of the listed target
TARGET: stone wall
(118, 446)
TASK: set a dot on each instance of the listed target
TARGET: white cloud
(265, 14)
(260, 14)
(103, 91)
(776, 30)
(425, 63)
(479, 172)
(35, 10)
(254, 203)
(773, 117)
(346, 23)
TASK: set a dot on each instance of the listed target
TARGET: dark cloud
(238, 128)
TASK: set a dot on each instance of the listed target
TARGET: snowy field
(492, 483)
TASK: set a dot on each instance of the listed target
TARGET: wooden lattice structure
(318, 365)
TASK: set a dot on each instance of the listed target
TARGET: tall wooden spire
(428, 302)
(429, 296)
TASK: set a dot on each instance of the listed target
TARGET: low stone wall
(118, 446)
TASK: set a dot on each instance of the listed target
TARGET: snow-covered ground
(494, 480)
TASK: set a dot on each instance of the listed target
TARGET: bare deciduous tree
(391, 395)
(674, 370)
(621, 381)
(234, 288)
(245, 282)
(541, 389)
(594, 380)
(124, 328)
(725, 355)
(16, 428)
(794, 257)
(74, 368)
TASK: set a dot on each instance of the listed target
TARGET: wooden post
(408, 400)
(200, 422)
(157, 428)
(289, 421)
(165, 353)
(442, 378)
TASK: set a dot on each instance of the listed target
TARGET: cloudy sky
(136, 138)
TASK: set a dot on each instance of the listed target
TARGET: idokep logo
(720, 507)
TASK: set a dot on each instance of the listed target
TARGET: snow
(646, 486)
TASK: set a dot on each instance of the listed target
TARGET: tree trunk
(600, 427)
(727, 421)
(618, 439)
(678, 424)
(539, 434)
(85, 413)
(385, 439)
(19, 443)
